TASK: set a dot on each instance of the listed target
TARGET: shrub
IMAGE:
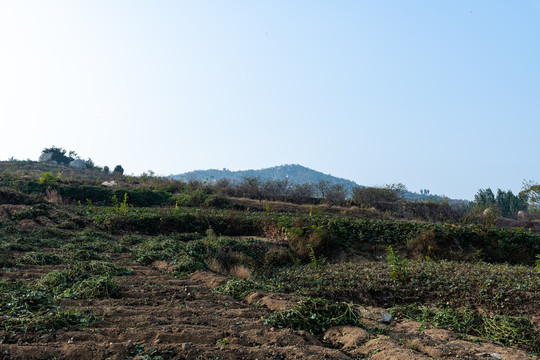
(423, 245)
(306, 237)
(399, 268)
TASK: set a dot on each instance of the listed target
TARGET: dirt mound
(273, 301)
(209, 279)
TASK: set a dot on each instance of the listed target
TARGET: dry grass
(241, 272)
(215, 265)
(423, 244)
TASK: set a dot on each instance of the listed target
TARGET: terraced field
(127, 282)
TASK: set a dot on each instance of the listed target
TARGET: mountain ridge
(297, 174)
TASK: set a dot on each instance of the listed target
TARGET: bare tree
(336, 195)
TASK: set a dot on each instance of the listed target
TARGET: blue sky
(441, 95)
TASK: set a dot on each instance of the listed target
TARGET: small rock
(109, 184)
(496, 356)
(129, 344)
(386, 319)
(186, 346)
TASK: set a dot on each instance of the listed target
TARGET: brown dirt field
(184, 319)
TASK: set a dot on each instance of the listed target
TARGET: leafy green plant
(315, 316)
(48, 179)
(399, 268)
(314, 260)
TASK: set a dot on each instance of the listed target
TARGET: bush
(102, 196)
(48, 179)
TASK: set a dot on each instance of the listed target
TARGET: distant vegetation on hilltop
(295, 175)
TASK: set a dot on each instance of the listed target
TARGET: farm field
(115, 278)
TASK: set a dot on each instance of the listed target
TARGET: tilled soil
(162, 317)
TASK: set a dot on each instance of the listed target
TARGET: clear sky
(443, 95)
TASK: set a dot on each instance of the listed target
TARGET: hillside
(146, 279)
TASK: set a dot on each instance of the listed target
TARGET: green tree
(118, 170)
(530, 190)
(90, 164)
(251, 187)
(505, 202)
(59, 155)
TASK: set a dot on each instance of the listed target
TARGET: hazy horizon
(435, 95)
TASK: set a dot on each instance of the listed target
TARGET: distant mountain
(296, 174)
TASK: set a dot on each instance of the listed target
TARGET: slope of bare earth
(162, 317)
